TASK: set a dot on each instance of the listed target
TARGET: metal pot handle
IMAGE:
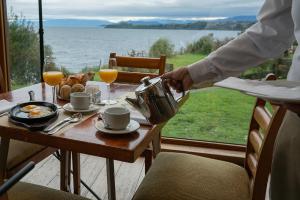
(165, 84)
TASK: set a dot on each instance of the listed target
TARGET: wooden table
(84, 137)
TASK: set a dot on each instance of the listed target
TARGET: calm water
(75, 48)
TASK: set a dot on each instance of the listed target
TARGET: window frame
(223, 151)
(5, 80)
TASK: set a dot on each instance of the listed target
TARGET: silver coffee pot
(155, 100)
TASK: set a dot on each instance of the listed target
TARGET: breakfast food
(65, 91)
(77, 88)
(39, 112)
(28, 108)
(73, 83)
(34, 111)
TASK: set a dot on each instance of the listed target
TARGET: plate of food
(33, 112)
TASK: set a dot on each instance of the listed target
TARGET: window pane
(24, 56)
(80, 35)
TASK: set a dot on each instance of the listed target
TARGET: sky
(117, 10)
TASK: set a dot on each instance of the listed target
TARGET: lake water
(75, 48)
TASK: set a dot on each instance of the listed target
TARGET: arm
(268, 38)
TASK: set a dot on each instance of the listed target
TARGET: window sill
(226, 152)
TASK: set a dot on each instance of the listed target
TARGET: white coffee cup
(80, 100)
(116, 118)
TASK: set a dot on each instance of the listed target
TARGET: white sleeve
(268, 38)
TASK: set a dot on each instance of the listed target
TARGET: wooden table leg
(110, 179)
(64, 170)
(156, 144)
(148, 159)
(3, 157)
(3, 162)
(76, 172)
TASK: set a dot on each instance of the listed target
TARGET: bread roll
(77, 88)
(65, 92)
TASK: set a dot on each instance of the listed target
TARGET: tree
(162, 47)
(204, 45)
(24, 51)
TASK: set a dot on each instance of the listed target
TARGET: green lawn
(213, 114)
(184, 59)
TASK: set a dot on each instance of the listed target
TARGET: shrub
(204, 45)
(24, 51)
(162, 46)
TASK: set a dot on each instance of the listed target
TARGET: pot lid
(147, 83)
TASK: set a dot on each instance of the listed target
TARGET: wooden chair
(184, 176)
(12, 189)
(137, 63)
(21, 153)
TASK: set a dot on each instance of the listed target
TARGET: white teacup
(80, 100)
(116, 118)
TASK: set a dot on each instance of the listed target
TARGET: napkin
(5, 105)
(280, 90)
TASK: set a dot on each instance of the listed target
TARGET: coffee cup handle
(106, 125)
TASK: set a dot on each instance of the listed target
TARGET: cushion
(176, 176)
(27, 191)
(20, 151)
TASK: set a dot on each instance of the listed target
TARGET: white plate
(68, 107)
(132, 126)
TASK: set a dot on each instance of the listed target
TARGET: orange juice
(53, 77)
(108, 75)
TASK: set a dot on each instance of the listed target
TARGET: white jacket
(277, 27)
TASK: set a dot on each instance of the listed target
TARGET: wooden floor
(93, 172)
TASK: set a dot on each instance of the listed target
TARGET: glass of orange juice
(108, 76)
(52, 76)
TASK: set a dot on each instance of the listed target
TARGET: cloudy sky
(116, 10)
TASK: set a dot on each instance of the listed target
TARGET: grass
(184, 59)
(213, 114)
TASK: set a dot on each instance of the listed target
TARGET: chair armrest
(15, 178)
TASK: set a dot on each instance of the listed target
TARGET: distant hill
(73, 23)
(231, 23)
(249, 18)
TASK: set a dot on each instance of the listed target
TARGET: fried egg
(40, 111)
(28, 108)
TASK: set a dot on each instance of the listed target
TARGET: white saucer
(132, 126)
(68, 107)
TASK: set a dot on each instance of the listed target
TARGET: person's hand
(179, 79)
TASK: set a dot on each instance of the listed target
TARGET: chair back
(264, 127)
(133, 63)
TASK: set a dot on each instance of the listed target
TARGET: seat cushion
(20, 151)
(176, 176)
(27, 191)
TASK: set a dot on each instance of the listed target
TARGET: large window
(79, 35)
(24, 55)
